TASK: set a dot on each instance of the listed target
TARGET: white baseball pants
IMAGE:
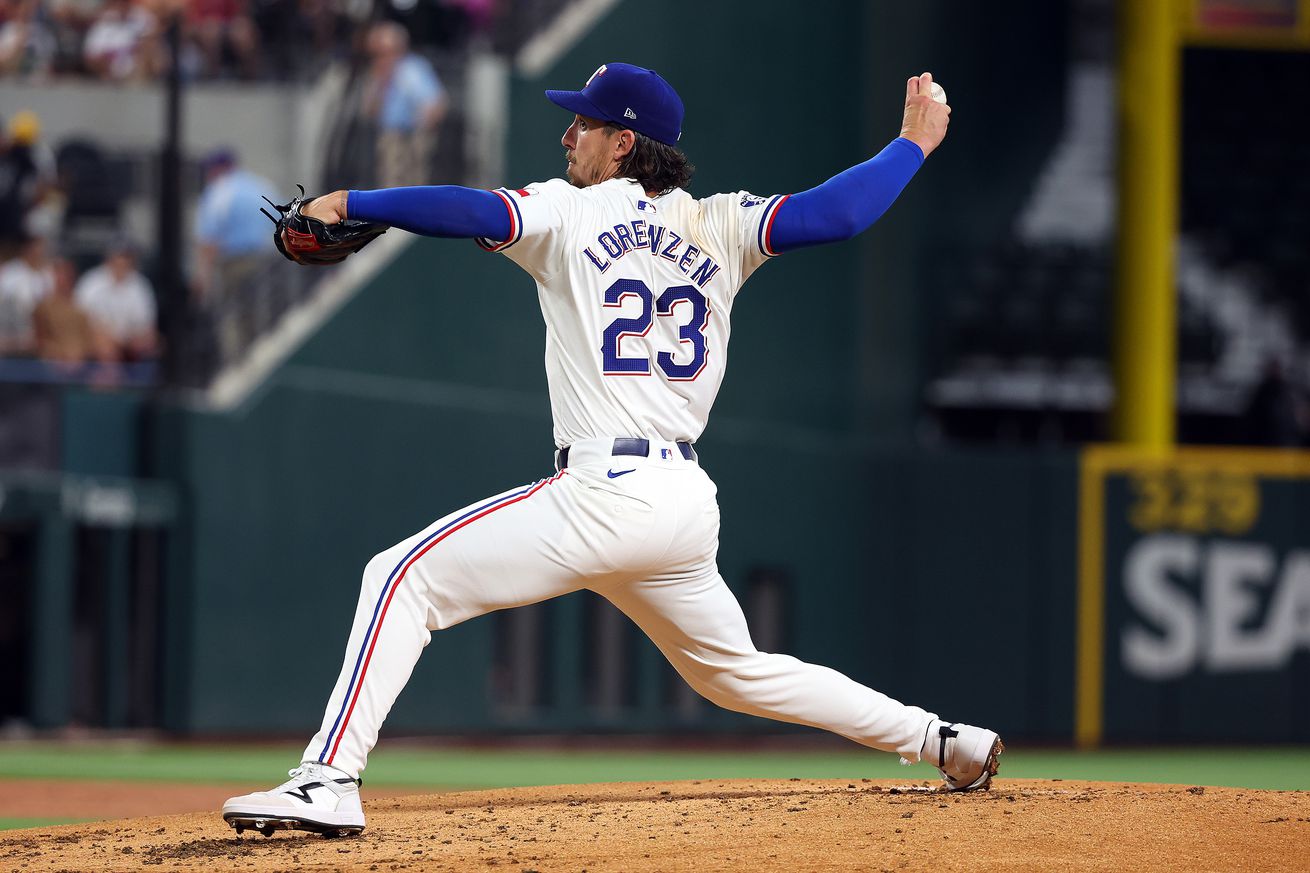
(646, 540)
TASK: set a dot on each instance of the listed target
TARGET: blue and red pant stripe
(394, 581)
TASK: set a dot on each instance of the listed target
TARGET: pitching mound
(730, 825)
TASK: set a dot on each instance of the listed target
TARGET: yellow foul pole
(1144, 336)
(1145, 319)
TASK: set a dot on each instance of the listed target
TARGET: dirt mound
(730, 825)
(98, 799)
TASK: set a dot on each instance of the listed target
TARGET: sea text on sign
(1221, 606)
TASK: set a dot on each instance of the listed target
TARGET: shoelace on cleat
(295, 773)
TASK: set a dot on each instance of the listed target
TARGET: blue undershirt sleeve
(849, 202)
(434, 210)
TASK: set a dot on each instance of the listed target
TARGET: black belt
(630, 446)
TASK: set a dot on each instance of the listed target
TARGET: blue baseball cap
(634, 97)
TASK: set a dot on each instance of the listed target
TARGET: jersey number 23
(690, 333)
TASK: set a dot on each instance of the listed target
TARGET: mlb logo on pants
(665, 454)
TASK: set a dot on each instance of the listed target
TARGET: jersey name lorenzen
(638, 235)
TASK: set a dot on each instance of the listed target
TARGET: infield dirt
(730, 825)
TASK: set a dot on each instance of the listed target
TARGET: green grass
(10, 824)
(431, 768)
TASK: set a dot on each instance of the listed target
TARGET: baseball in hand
(937, 92)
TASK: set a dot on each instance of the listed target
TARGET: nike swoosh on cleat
(301, 792)
(614, 475)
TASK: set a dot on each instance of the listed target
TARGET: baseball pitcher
(636, 280)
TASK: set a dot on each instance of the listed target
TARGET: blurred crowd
(51, 312)
(74, 315)
(70, 298)
(120, 40)
(123, 40)
(68, 307)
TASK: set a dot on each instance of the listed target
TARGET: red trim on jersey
(497, 245)
(382, 617)
(768, 228)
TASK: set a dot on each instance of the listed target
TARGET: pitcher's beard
(569, 171)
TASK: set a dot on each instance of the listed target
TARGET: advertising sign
(1194, 596)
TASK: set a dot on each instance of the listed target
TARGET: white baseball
(937, 92)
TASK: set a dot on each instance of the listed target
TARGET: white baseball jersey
(636, 293)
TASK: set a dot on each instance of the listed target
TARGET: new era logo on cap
(634, 97)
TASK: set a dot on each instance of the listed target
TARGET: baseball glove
(310, 241)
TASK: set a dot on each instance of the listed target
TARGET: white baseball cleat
(317, 798)
(965, 755)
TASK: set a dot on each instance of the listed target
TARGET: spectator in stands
(222, 29)
(121, 304)
(123, 41)
(64, 332)
(27, 178)
(233, 243)
(404, 97)
(27, 44)
(328, 26)
(69, 22)
(24, 282)
(44, 210)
